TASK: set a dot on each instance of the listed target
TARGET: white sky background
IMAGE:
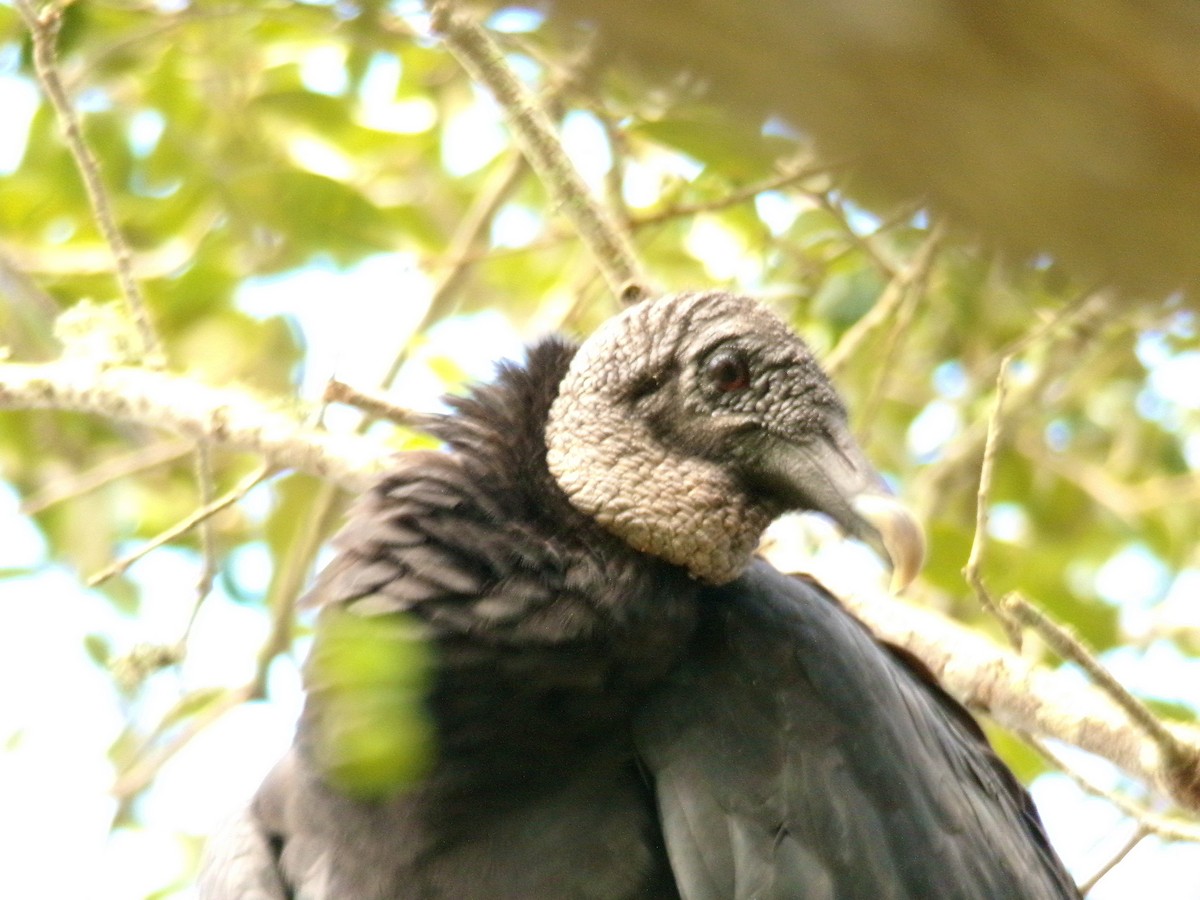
(58, 710)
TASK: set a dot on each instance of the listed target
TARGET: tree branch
(227, 417)
(534, 133)
(198, 517)
(1177, 758)
(373, 403)
(888, 304)
(43, 32)
(1139, 834)
(66, 487)
(798, 171)
(140, 773)
(973, 570)
(1177, 761)
(1171, 828)
(1063, 338)
(1019, 694)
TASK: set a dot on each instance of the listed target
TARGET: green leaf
(99, 649)
(312, 213)
(368, 678)
(846, 297)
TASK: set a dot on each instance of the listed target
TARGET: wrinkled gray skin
(625, 705)
(644, 441)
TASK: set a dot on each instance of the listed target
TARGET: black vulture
(623, 702)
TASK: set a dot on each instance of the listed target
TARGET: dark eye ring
(728, 372)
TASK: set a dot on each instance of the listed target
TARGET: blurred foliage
(1036, 125)
(369, 676)
(241, 142)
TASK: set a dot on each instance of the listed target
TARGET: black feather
(795, 759)
(606, 728)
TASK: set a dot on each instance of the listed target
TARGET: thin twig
(861, 242)
(208, 553)
(1180, 761)
(1086, 314)
(915, 273)
(556, 237)
(469, 238)
(1067, 335)
(114, 469)
(1171, 828)
(900, 217)
(230, 417)
(1139, 834)
(1094, 480)
(142, 772)
(973, 570)
(614, 176)
(184, 525)
(894, 339)
(478, 54)
(31, 312)
(291, 572)
(377, 405)
(461, 254)
(43, 30)
(583, 291)
(733, 198)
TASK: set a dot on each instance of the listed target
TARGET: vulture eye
(728, 372)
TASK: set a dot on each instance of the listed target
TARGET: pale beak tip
(900, 533)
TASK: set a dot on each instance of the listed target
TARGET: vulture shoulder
(543, 630)
(794, 757)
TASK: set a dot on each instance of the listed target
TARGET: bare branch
(973, 570)
(1172, 828)
(1139, 834)
(1178, 759)
(227, 417)
(802, 171)
(146, 766)
(1019, 694)
(1128, 501)
(462, 252)
(915, 273)
(865, 244)
(287, 582)
(43, 31)
(557, 236)
(1067, 335)
(371, 402)
(121, 466)
(208, 550)
(901, 320)
(478, 54)
(197, 517)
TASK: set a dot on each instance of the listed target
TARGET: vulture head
(687, 423)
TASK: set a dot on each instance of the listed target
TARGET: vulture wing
(793, 757)
(574, 564)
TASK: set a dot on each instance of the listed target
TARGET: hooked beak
(831, 475)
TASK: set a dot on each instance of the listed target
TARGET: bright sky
(59, 713)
